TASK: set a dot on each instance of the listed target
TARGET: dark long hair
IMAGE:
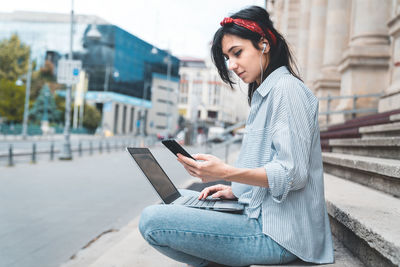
(280, 54)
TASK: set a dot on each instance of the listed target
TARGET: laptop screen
(155, 174)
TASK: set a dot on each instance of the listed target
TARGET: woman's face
(244, 58)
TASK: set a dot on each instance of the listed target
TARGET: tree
(45, 75)
(12, 98)
(45, 107)
(14, 56)
(91, 118)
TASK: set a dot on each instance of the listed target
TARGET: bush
(91, 118)
(12, 99)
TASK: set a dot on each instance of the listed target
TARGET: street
(50, 210)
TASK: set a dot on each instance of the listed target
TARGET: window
(184, 89)
(116, 118)
(124, 119)
(165, 88)
(132, 120)
(212, 114)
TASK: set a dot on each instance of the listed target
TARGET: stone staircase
(362, 189)
(353, 128)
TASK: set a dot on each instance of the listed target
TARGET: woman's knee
(155, 218)
(148, 219)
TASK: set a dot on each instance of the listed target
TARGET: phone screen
(176, 148)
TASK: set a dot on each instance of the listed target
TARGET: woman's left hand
(209, 169)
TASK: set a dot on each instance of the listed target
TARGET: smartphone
(176, 148)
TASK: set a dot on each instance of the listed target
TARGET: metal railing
(354, 111)
(89, 146)
(228, 140)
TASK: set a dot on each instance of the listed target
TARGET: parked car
(215, 134)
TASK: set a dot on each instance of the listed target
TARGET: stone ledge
(384, 147)
(369, 214)
(389, 127)
(378, 142)
(387, 167)
(343, 258)
(395, 117)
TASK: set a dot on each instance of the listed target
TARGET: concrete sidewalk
(123, 248)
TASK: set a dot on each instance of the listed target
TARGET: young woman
(278, 173)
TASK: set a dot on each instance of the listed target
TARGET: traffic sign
(68, 71)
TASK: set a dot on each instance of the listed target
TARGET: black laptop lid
(155, 174)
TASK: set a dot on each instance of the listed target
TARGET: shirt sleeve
(293, 125)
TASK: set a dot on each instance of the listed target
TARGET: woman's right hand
(217, 191)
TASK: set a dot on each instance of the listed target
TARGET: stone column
(292, 27)
(316, 40)
(302, 45)
(391, 98)
(278, 14)
(336, 41)
(364, 66)
(285, 17)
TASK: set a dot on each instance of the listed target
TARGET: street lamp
(169, 87)
(45, 118)
(27, 96)
(66, 150)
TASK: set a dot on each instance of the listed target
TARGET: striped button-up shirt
(282, 135)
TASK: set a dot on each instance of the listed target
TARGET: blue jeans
(197, 236)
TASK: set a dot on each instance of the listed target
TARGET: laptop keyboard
(194, 201)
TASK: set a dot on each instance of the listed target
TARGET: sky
(185, 27)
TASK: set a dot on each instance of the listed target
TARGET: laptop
(167, 190)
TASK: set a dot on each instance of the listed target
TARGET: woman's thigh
(226, 238)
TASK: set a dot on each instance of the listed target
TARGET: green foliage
(45, 75)
(12, 99)
(91, 118)
(60, 102)
(45, 107)
(14, 57)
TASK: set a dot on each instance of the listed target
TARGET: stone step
(395, 117)
(386, 147)
(382, 130)
(365, 220)
(381, 174)
(343, 258)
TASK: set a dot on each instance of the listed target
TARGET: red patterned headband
(248, 24)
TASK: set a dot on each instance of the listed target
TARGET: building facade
(120, 67)
(206, 100)
(127, 71)
(344, 48)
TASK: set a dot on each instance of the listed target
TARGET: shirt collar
(271, 80)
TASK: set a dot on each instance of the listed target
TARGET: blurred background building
(125, 74)
(205, 99)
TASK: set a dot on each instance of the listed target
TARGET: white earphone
(261, 66)
(264, 47)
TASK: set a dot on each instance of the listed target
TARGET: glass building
(122, 63)
(120, 66)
